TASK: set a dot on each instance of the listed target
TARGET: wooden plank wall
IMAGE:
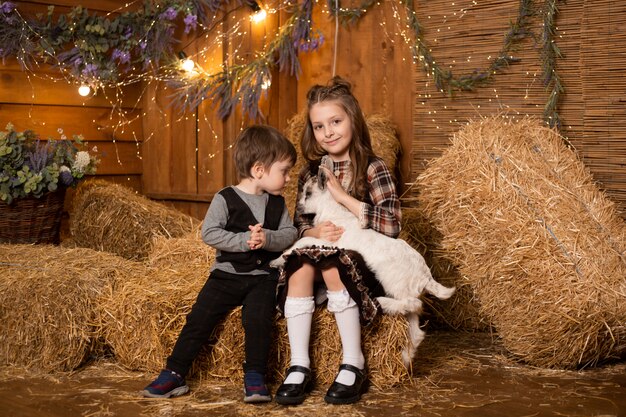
(186, 158)
(377, 66)
(45, 102)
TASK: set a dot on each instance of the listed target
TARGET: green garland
(245, 83)
(447, 83)
(107, 48)
(350, 15)
(550, 53)
(94, 49)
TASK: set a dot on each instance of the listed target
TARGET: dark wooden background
(182, 159)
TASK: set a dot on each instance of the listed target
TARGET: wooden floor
(456, 374)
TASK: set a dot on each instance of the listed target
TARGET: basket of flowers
(34, 176)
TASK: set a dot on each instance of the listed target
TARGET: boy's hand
(257, 236)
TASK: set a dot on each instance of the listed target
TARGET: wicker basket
(32, 220)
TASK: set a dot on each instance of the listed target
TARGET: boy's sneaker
(168, 384)
(255, 390)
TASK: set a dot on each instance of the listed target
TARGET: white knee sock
(299, 315)
(348, 323)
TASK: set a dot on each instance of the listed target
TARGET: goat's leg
(403, 306)
(415, 337)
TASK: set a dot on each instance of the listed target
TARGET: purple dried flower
(7, 7)
(123, 57)
(191, 21)
(169, 14)
(143, 45)
(38, 158)
(127, 33)
(90, 69)
(65, 176)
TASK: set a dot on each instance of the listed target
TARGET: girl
(336, 135)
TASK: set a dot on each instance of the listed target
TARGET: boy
(248, 225)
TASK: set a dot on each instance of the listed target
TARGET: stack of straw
(145, 315)
(461, 311)
(541, 246)
(140, 316)
(110, 217)
(51, 299)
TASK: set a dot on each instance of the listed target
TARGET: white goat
(400, 269)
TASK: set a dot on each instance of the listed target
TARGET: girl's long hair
(360, 149)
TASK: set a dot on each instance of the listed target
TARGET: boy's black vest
(239, 218)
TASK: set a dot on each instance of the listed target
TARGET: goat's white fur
(400, 269)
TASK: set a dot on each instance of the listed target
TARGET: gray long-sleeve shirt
(214, 234)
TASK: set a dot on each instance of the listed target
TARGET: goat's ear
(325, 168)
(322, 178)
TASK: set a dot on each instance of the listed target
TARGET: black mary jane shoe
(294, 394)
(339, 393)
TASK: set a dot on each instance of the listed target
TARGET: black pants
(220, 295)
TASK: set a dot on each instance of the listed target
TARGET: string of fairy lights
(241, 80)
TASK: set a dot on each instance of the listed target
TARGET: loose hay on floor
(49, 304)
(541, 246)
(113, 218)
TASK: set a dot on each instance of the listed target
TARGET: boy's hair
(263, 144)
(360, 150)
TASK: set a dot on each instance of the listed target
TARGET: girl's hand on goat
(328, 231)
(257, 236)
(334, 186)
(339, 194)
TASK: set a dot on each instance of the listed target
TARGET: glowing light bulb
(258, 16)
(188, 65)
(84, 90)
(266, 83)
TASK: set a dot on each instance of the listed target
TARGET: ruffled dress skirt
(359, 280)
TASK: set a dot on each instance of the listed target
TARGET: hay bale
(295, 129)
(187, 252)
(145, 315)
(461, 311)
(382, 346)
(385, 143)
(49, 308)
(385, 140)
(383, 342)
(541, 246)
(113, 218)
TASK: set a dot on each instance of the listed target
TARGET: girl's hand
(327, 231)
(334, 187)
(339, 194)
(257, 236)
